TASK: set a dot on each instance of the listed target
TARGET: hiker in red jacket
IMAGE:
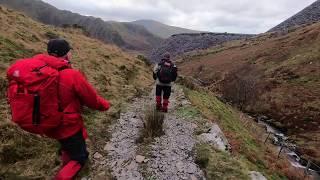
(73, 91)
(164, 73)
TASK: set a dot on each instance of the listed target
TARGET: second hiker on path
(164, 73)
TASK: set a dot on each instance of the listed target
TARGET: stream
(280, 140)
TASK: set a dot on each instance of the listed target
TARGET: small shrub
(153, 122)
(240, 90)
(123, 67)
(144, 59)
(107, 57)
(51, 35)
(202, 155)
(187, 82)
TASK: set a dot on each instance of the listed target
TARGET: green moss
(188, 112)
(219, 165)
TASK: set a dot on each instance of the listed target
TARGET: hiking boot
(69, 171)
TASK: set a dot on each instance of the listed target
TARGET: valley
(274, 75)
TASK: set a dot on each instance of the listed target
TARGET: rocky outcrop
(215, 137)
(182, 43)
(308, 15)
(125, 35)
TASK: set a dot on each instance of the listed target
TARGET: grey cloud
(241, 16)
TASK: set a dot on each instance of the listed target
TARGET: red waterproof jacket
(74, 92)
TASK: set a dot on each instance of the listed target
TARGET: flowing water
(280, 140)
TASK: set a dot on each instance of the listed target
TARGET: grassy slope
(248, 150)
(117, 76)
(287, 71)
(125, 35)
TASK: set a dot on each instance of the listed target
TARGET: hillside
(162, 30)
(125, 35)
(274, 75)
(308, 15)
(118, 77)
(182, 43)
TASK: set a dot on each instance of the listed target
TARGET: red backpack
(33, 95)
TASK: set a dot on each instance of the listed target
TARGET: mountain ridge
(180, 44)
(125, 35)
(310, 14)
(162, 30)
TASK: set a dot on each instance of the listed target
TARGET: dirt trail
(170, 156)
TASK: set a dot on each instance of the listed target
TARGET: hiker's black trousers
(76, 147)
(163, 90)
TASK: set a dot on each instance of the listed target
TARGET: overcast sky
(237, 16)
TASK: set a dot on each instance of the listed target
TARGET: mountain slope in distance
(162, 30)
(181, 44)
(308, 15)
(125, 35)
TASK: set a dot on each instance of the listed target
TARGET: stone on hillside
(101, 175)
(132, 165)
(179, 166)
(192, 168)
(193, 177)
(108, 147)
(97, 156)
(256, 176)
(140, 159)
(215, 137)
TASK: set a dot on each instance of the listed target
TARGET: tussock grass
(219, 165)
(153, 122)
(52, 35)
(21, 148)
(3, 85)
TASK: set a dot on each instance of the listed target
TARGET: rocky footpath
(118, 161)
(172, 156)
(182, 43)
(122, 147)
(169, 157)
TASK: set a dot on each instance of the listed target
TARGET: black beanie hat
(59, 47)
(166, 56)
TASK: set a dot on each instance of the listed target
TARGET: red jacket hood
(54, 62)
